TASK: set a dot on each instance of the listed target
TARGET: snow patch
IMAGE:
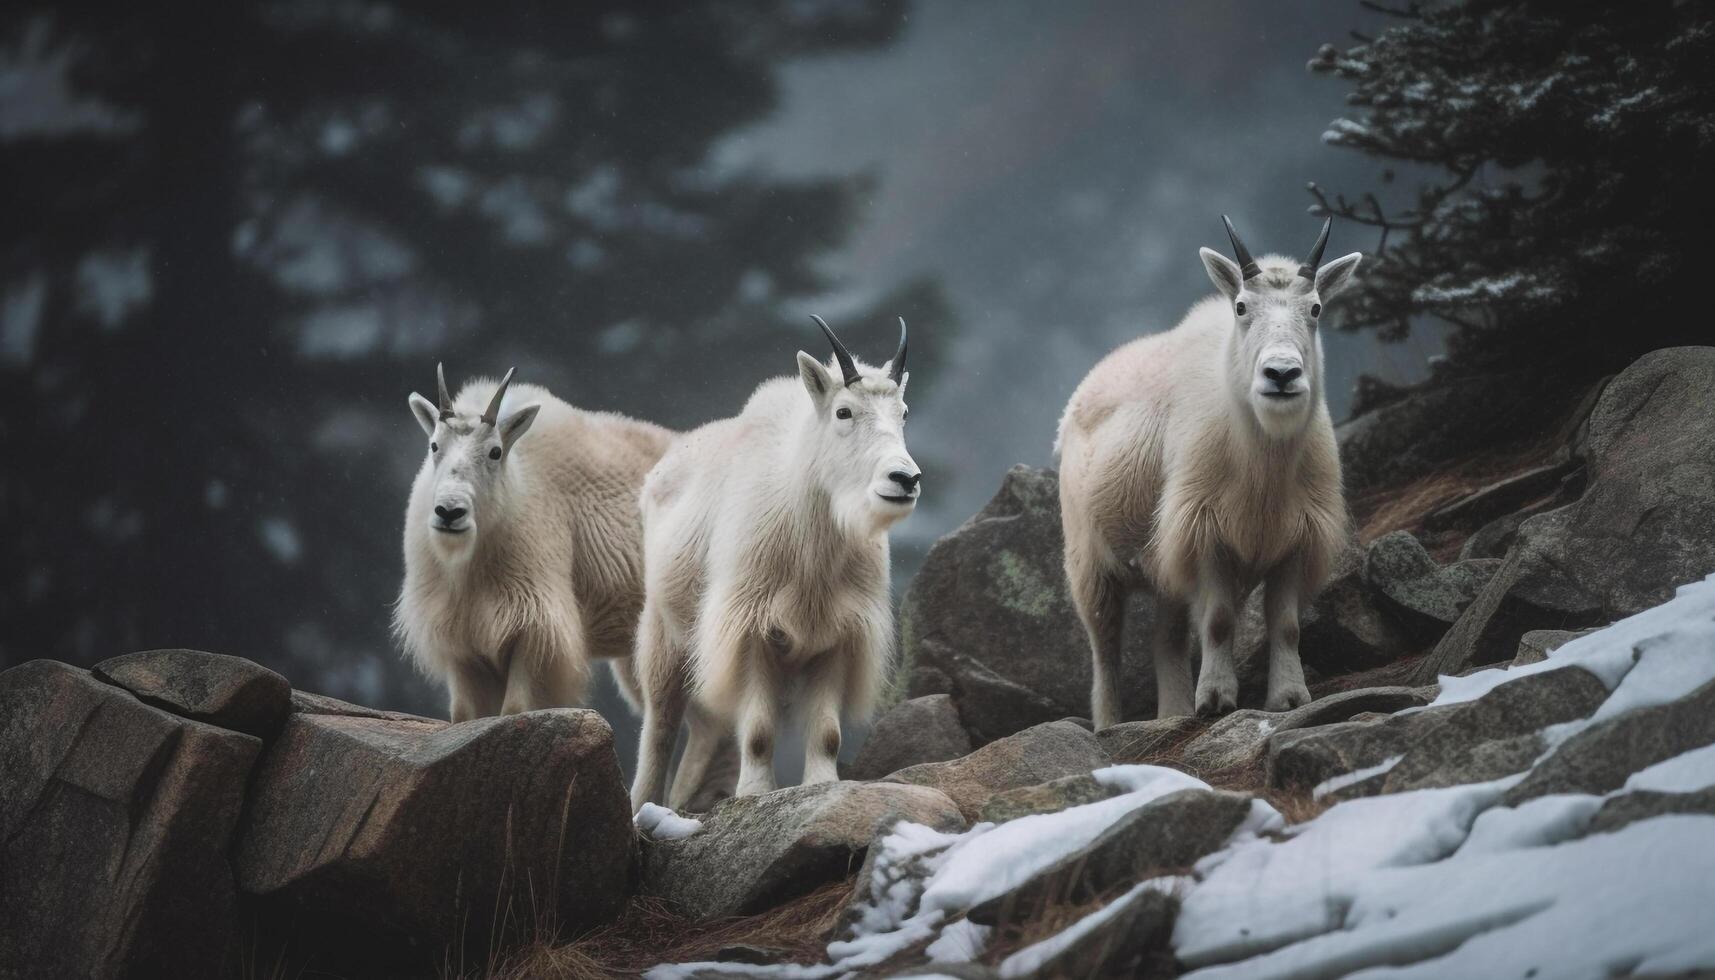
(1027, 961)
(1443, 882)
(1336, 783)
(1687, 772)
(1627, 903)
(961, 942)
(1674, 629)
(1261, 895)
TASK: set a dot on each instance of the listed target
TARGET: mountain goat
(767, 564)
(1197, 462)
(523, 559)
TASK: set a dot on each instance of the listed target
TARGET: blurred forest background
(237, 234)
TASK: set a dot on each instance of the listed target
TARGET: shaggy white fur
(1196, 463)
(523, 556)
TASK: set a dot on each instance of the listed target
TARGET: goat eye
(434, 447)
(1239, 309)
(1315, 309)
(843, 413)
(494, 453)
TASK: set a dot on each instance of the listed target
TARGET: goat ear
(817, 381)
(513, 426)
(1334, 277)
(426, 412)
(1223, 272)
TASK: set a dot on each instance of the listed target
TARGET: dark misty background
(236, 235)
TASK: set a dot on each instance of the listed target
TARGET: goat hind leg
(1170, 635)
(663, 689)
(1100, 601)
(696, 764)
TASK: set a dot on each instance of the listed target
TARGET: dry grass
(649, 932)
(1403, 507)
(1396, 674)
(1018, 932)
(1392, 509)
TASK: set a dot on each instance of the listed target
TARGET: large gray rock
(1527, 592)
(1536, 645)
(1494, 538)
(1343, 705)
(1420, 593)
(1160, 837)
(1494, 736)
(1629, 808)
(1050, 797)
(1147, 741)
(925, 729)
(414, 840)
(1130, 939)
(227, 692)
(755, 852)
(307, 703)
(116, 819)
(1497, 734)
(1644, 525)
(1520, 491)
(1304, 758)
(1422, 430)
(989, 619)
(1345, 629)
(1239, 738)
(1036, 755)
(1600, 758)
(1232, 740)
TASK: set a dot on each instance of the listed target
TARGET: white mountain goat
(523, 558)
(1197, 462)
(765, 538)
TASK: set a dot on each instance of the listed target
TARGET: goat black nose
(1282, 377)
(904, 479)
(449, 514)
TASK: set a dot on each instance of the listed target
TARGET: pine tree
(325, 199)
(1566, 222)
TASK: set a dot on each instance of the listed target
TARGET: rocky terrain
(1508, 770)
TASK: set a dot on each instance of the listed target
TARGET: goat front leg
(1282, 596)
(474, 690)
(1216, 612)
(544, 672)
(758, 726)
(825, 689)
(1170, 636)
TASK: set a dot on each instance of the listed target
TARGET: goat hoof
(1288, 698)
(1212, 704)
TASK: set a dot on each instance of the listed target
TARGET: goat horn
(897, 372)
(1314, 262)
(493, 413)
(1247, 265)
(844, 356)
(446, 400)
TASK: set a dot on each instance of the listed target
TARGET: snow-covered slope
(1442, 882)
